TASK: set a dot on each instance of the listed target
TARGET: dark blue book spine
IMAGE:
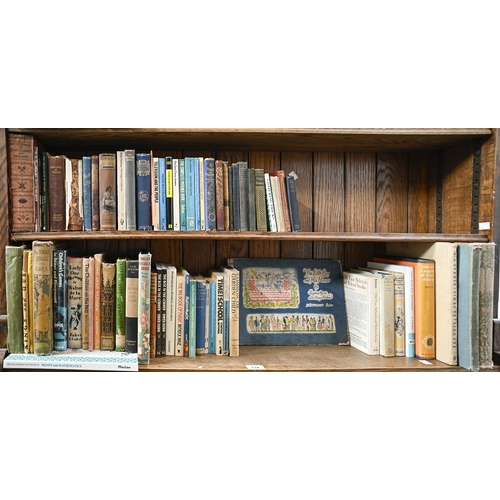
(60, 298)
(211, 215)
(293, 204)
(87, 193)
(163, 193)
(201, 315)
(143, 190)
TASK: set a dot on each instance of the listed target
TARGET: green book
(14, 291)
(121, 270)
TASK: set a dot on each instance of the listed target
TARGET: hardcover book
(201, 313)
(121, 276)
(75, 302)
(75, 360)
(243, 194)
(57, 193)
(95, 192)
(260, 201)
(155, 191)
(107, 191)
(162, 193)
(190, 193)
(143, 191)
(218, 277)
(87, 193)
(85, 298)
(169, 306)
(271, 215)
(121, 214)
(219, 195)
(182, 194)
(26, 292)
(293, 205)
(43, 160)
(75, 180)
(225, 194)
(169, 192)
(90, 286)
(130, 192)
(176, 215)
(62, 288)
(252, 223)
(153, 314)
(98, 260)
(131, 305)
(291, 302)
(108, 306)
(179, 314)
(144, 308)
(234, 310)
(14, 291)
(211, 210)
(280, 174)
(160, 310)
(192, 318)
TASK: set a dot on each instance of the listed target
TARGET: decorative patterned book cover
(225, 192)
(87, 193)
(143, 189)
(131, 305)
(219, 195)
(75, 302)
(243, 194)
(144, 308)
(107, 191)
(75, 214)
(280, 174)
(121, 200)
(486, 292)
(108, 306)
(260, 201)
(57, 193)
(75, 360)
(291, 301)
(121, 276)
(211, 210)
(61, 290)
(293, 205)
(169, 192)
(182, 194)
(14, 291)
(130, 191)
(95, 192)
(43, 319)
(22, 194)
(162, 193)
(176, 215)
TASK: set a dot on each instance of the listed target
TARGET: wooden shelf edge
(250, 236)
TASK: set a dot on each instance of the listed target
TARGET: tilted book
(61, 291)
(14, 292)
(75, 360)
(144, 308)
(43, 319)
(75, 302)
(107, 191)
(291, 301)
(108, 306)
(280, 174)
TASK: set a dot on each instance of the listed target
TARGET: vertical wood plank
(487, 196)
(360, 205)
(418, 201)
(328, 202)
(4, 217)
(301, 164)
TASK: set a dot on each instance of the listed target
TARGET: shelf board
(247, 235)
(295, 359)
(93, 140)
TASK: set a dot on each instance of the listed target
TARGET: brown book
(75, 209)
(57, 193)
(280, 174)
(219, 195)
(108, 306)
(95, 192)
(23, 153)
(107, 191)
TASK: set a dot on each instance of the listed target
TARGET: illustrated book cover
(291, 302)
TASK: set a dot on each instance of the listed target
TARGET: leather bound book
(57, 193)
(107, 191)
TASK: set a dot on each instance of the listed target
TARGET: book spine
(243, 194)
(219, 334)
(230, 197)
(85, 299)
(237, 196)
(87, 193)
(399, 315)
(182, 194)
(252, 222)
(293, 205)
(278, 207)
(486, 280)
(36, 186)
(14, 297)
(179, 333)
(26, 300)
(75, 302)
(197, 193)
(234, 313)
(31, 302)
(155, 192)
(98, 260)
(121, 200)
(44, 192)
(131, 305)
(21, 187)
(75, 219)
(270, 204)
(130, 191)
(169, 192)
(201, 314)
(94, 159)
(260, 201)
(211, 195)
(43, 333)
(120, 329)
(193, 287)
(164, 326)
(67, 189)
(91, 295)
(159, 309)
(143, 188)
(227, 300)
(62, 290)
(107, 191)
(213, 316)
(187, 298)
(162, 196)
(225, 194)
(202, 183)
(219, 195)
(144, 310)
(284, 198)
(108, 306)
(387, 315)
(169, 307)
(153, 314)
(57, 193)
(175, 195)
(190, 194)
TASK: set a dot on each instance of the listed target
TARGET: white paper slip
(255, 367)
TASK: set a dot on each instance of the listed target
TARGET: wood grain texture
(4, 217)
(488, 169)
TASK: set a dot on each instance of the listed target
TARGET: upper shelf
(261, 139)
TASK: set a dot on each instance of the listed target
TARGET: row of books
(57, 301)
(129, 190)
(425, 300)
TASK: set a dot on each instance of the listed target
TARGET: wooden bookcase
(357, 190)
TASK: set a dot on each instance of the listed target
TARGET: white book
(121, 215)
(180, 299)
(277, 201)
(155, 195)
(361, 295)
(409, 301)
(75, 360)
(270, 204)
(175, 195)
(170, 308)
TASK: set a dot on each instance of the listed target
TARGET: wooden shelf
(247, 235)
(261, 139)
(295, 358)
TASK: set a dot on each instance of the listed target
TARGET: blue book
(193, 288)
(197, 196)
(182, 194)
(87, 192)
(60, 288)
(162, 181)
(201, 314)
(212, 296)
(210, 209)
(291, 302)
(190, 194)
(143, 191)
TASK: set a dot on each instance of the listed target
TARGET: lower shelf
(295, 358)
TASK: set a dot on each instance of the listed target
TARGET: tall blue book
(201, 314)
(60, 296)
(210, 211)
(190, 194)
(162, 181)
(182, 194)
(197, 197)
(212, 295)
(291, 302)
(143, 191)
(87, 192)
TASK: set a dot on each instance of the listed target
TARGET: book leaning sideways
(74, 360)
(291, 302)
